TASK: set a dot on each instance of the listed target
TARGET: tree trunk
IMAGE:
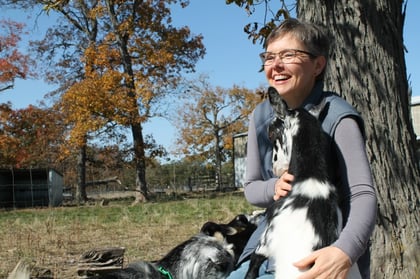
(218, 162)
(367, 66)
(81, 195)
(138, 143)
(136, 128)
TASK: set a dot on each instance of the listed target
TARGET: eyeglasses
(287, 56)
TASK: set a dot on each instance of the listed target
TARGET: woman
(294, 63)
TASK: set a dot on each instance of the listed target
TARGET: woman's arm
(357, 178)
(257, 191)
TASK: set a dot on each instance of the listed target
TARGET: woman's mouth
(281, 77)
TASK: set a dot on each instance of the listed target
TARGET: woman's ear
(320, 63)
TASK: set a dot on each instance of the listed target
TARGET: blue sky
(231, 58)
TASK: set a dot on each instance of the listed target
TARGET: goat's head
(285, 127)
(281, 131)
(237, 232)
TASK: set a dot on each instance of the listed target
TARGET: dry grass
(53, 239)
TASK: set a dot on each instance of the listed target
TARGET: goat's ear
(279, 106)
(210, 228)
(239, 221)
(317, 110)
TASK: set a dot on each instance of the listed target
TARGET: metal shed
(239, 158)
(30, 187)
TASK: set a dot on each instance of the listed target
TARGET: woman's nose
(278, 61)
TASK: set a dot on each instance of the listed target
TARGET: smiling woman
(295, 79)
(300, 87)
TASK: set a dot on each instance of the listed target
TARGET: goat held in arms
(308, 218)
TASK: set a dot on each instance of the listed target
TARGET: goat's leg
(254, 265)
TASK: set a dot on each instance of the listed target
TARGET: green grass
(54, 238)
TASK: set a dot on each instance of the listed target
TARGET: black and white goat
(212, 253)
(308, 218)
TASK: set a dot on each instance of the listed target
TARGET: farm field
(53, 239)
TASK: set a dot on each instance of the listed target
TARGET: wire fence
(37, 188)
(23, 195)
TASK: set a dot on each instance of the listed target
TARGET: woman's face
(294, 81)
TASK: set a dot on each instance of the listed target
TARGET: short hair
(311, 35)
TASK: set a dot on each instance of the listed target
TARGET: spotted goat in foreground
(212, 254)
(308, 218)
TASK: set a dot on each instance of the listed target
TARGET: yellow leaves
(101, 58)
(211, 116)
(99, 100)
(102, 97)
(133, 56)
(97, 12)
(125, 27)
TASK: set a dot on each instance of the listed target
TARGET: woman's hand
(283, 185)
(328, 262)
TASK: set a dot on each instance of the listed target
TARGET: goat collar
(165, 272)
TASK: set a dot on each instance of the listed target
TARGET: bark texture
(367, 68)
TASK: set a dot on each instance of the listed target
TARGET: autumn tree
(209, 117)
(8, 143)
(30, 137)
(368, 69)
(13, 63)
(132, 56)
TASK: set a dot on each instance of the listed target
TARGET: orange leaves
(29, 136)
(13, 64)
(101, 97)
(96, 101)
(100, 58)
(131, 57)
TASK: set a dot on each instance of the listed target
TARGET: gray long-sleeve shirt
(356, 182)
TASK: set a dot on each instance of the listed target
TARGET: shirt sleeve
(257, 191)
(358, 188)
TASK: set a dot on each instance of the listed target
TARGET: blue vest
(336, 108)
